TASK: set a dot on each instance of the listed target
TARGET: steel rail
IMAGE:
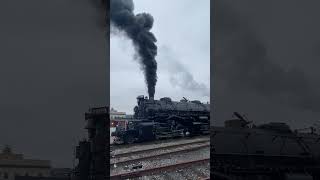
(150, 171)
(158, 148)
(187, 149)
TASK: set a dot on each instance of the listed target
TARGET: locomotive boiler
(164, 118)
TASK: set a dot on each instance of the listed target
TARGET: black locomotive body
(271, 151)
(164, 118)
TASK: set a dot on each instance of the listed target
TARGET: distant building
(118, 118)
(55, 174)
(115, 115)
(61, 172)
(12, 165)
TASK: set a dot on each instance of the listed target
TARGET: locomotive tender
(164, 118)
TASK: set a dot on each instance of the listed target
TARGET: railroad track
(157, 142)
(143, 154)
(168, 156)
(154, 145)
(153, 153)
(164, 168)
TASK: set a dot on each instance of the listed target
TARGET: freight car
(244, 151)
(164, 118)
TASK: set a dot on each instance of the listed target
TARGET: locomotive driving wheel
(128, 139)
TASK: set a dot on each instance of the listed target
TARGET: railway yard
(163, 159)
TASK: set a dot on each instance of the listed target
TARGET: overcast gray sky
(182, 28)
(266, 61)
(52, 68)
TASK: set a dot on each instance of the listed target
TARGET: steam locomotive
(272, 151)
(164, 118)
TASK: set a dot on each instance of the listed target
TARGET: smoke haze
(263, 61)
(180, 76)
(137, 28)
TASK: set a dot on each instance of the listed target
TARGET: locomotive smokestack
(137, 27)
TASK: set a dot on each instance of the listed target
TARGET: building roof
(10, 159)
(115, 112)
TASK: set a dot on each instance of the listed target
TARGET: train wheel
(129, 140)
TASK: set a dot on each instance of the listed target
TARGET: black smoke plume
(137, 27)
